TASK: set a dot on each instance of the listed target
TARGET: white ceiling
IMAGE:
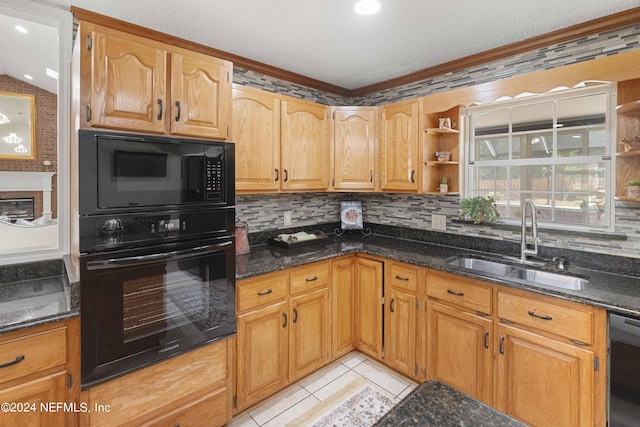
(327, 41)
(30, 53)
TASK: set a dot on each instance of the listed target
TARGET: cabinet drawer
(574, 322)
(33, 353)
(403, 277)
(465, 293)
(261, 291)
(309, 277)
(210, 410)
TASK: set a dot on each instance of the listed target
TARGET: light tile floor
(300, 397)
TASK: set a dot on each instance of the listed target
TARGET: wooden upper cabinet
(135, 84)
(200, 94)
(304, 145)
(354, 148)
(128, 77)
(399, 160)
(256, 133)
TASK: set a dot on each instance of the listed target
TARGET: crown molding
(607, 23)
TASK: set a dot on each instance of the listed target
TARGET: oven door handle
(163, 257)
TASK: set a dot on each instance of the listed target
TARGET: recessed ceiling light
(28, 77)
(52, 73)
(21, 29)
(367, 7)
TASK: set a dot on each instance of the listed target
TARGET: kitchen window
(553, 148)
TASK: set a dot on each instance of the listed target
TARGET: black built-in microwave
(133, 173)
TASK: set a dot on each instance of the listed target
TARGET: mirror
(35, 56)
(17, 126)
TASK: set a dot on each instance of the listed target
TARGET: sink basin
(551, 279)
(483, 265)
(515, 270)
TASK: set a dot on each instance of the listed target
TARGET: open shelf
(628, 199)
(439, 163)
(441, 130)
(628, 153)
(449, 193)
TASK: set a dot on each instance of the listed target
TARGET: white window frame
(469, 147)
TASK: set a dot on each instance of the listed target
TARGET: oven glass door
(144, 305)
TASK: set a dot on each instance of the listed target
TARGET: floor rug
(358, 405)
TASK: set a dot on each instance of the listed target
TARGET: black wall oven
(157, 249)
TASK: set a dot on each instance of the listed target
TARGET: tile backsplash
(264, 213)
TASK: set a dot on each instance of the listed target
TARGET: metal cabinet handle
(404, 279)
(537, 316)
(311, 279)
(501, 344)
(160, 112)
(284, 324)
(413, 172)
(13, 362)
(295, 315)
(286, 175)
(178, 115)
(277, 174)
(486, 339)
(458, 294)
(391, 309)
(371, 175)
(261, 293)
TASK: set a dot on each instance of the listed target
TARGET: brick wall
(46, 141)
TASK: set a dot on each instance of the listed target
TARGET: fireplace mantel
(30, 181)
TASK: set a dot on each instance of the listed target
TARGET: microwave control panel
(214, 178)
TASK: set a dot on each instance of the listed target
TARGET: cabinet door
(128, 89)
(30, 395)
(368, 306)
(354, 145)
(399, 146)
(304, 145)
(310, 334)
(262, 353)
(200, 95)
(256, 134)
(342, 300)
(458, 345)
(400, 331)
(544, 382)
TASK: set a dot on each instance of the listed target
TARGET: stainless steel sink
(483, 265)
(548, 278)
(515, 270)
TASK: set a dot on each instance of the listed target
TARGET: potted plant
(444, 187)
(479, 209)
(633, 188)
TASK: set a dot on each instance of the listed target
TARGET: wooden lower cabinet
(459, 348)
(263, 353)
(368, 306)
(309, 335)
(342, 306)
(544, 382)
(285, 340)
(192, 389)
(400, 331)
(30, 396)
(40, 375)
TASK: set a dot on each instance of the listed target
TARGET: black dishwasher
(624, 375)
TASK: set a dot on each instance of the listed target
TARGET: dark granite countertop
(438, 405)
(36, 293)
(615, 292)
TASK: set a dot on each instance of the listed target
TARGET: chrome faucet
(524, 249)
